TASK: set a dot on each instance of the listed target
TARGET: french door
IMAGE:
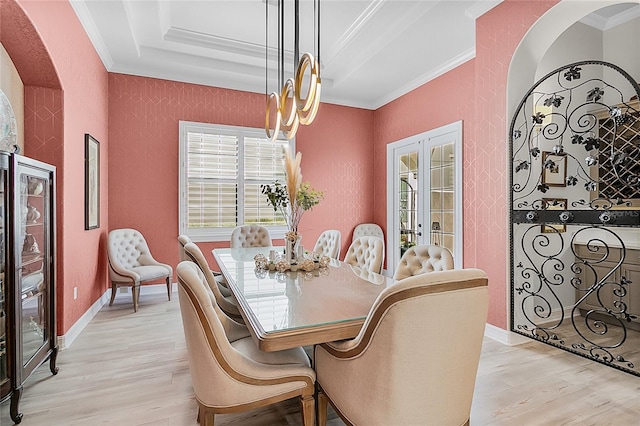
(424, 193)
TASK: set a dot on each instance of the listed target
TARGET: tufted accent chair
(367, 230)
(427, 332)
(223, 296)
(329, 243)
(250, 236)
(131, 262)
(425, 258)
(367, 253)
(228, 372)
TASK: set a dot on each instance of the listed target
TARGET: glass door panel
(4, 370)
(34, 202)
(442, 213)
(408, 201)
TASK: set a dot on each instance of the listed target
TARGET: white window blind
(221, 171)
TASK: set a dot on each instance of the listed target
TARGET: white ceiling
(372, 51)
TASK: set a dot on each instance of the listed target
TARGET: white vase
(291, 249)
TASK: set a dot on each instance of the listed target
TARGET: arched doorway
(566, 288)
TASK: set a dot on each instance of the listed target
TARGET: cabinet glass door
(4, 372)
(33, 266)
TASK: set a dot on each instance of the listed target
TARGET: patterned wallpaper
(474, 92)
(143, 156)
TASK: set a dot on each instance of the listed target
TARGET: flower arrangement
(293, 199)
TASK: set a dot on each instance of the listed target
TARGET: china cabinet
(27, 273)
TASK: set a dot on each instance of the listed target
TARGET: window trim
(214, 234)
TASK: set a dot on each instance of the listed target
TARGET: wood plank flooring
(131, 368)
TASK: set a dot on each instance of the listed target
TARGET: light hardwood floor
(130, 368)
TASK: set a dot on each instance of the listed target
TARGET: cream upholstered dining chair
(228, 371)
(185, 239)
(434, 324)
(223, 296)
(131, 262)
(329, 243)
(367, 253)
(424, 258)
(250, 236)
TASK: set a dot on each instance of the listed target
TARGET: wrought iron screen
(575, 213)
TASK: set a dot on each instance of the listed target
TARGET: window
(221, 170)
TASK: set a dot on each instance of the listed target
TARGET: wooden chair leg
(169, 287)
(114, 288)
(308, 410)
(206, 417)
(135, 291)
(322, 408)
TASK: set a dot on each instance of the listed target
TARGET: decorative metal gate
(575, 213)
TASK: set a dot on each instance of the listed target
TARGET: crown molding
(604, 24)
(89, 25)
(425, 78)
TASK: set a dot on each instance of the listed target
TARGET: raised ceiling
(372, 51)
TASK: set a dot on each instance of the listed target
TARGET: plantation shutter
(222, 170)
(212, 173)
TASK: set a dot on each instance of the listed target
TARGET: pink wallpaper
(65, 97)
(474, 92)
(344, 152)
(143, 155)
(486, 181)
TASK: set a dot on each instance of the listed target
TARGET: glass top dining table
(288, 309)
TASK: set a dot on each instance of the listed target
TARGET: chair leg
(114, 288)
(169, 287)
(322, 408)
(205, 417)
(308, 410)
(135, 293)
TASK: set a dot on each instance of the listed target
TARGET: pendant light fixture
(290, 108)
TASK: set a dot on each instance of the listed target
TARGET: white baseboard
(67, 339)
(504, 336)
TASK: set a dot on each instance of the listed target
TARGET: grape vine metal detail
(575, 190)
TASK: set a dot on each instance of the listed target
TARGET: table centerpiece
(292, 200)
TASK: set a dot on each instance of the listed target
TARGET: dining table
(287, 309)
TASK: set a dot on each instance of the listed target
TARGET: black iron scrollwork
(570, 287)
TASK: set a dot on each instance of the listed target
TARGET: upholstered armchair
(250, 236)
(131, 262)
(367, 253)
(329, 243)
(223, 296)
(416, 357)
(424, 258)
(228, 371)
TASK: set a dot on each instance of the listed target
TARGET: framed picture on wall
(554, 169)
(91, 182)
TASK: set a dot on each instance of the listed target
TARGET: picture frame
(557, 174)
(91, 182)
(554, 204)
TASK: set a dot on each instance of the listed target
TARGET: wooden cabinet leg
(16, 416)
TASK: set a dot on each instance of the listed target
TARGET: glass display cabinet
(27, 273)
